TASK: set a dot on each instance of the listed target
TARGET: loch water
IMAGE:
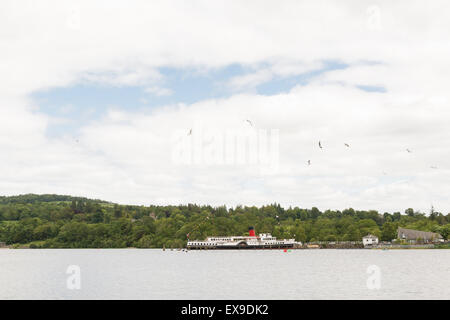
(222, 274)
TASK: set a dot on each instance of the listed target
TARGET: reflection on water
(157, 274)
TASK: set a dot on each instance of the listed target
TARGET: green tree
(388, 231)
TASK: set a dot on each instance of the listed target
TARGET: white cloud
(159, 91)
(125, 156)
(120, 77)
(276, 69)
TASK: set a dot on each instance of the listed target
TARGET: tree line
(54, 221)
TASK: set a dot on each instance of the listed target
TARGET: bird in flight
(309, 162)
(190, 132)
(320, 145)
(249, 122)
(347, 145)
(409, 151)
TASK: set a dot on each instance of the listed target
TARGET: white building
(370, 240)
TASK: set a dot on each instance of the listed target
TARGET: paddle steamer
(262, 241)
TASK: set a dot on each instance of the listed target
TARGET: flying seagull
(249, 122)
(347, 145)
(190, 132)
(409, 151)
(320, 145)
(309, 162)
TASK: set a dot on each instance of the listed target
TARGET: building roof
(370, 236)
(410, 234)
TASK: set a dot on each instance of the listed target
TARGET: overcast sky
(97, 98)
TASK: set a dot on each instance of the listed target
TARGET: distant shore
(393, 247)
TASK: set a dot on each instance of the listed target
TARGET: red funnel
(251, 232)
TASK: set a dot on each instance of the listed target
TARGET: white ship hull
(263, 241)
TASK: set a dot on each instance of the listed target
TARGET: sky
(225, 102)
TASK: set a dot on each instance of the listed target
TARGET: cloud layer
(126, 156)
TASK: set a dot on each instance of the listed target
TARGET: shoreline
(442, 247)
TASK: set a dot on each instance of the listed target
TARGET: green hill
(35, 198)
(61, 221)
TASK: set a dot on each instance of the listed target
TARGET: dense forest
(54, 221)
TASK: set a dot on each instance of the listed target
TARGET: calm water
(154, 274)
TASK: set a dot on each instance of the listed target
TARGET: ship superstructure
(262, 241)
